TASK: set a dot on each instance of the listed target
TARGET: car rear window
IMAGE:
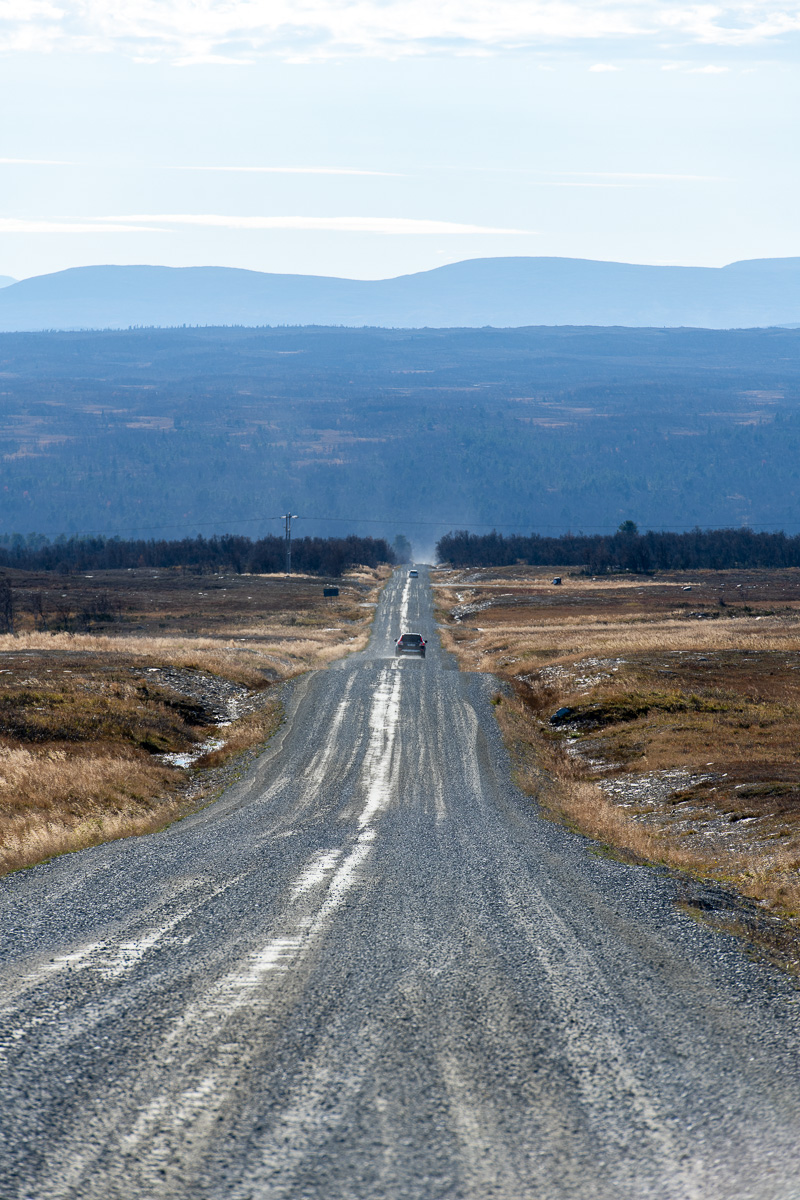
(411, 639)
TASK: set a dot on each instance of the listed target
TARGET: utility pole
(288, 518)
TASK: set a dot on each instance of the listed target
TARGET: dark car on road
(410, 643)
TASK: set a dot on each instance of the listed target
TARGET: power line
(288, 518)
(463, 523)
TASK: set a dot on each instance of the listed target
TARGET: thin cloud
(24, 225)
(297, 171)
(645, 175)
(386, 225)
(234, 32)
(35, 162)
(217, 60)
(572, 183)
(686, 68)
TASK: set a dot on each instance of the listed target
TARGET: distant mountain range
(502, 292)
(6, 281)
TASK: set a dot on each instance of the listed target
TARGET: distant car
(413, 574)
(410, 643)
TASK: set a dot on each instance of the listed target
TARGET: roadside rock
(222, 700)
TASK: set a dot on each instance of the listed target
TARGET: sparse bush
(6, 607)
(626, 550)
(310, 555)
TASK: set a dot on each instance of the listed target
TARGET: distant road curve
(372, 971)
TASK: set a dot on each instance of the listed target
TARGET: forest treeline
(222, 430)
(626, 550)
(310, 555)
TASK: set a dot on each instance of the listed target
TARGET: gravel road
(371, 970)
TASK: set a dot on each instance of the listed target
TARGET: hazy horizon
(7, 280)
(475, 293)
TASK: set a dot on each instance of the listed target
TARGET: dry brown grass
(530, 644)
(84, 718)
(54, 801)
(765, 871)
(242, 660)
(248, 731)
(682, 745)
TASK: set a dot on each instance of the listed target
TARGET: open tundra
(372, 970)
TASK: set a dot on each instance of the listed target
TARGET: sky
(377, 137)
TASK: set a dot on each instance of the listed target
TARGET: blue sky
(374, 138)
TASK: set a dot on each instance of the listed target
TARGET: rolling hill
(499, 292)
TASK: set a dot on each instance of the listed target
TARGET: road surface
(372, 971)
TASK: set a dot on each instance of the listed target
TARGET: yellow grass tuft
(52, 800)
